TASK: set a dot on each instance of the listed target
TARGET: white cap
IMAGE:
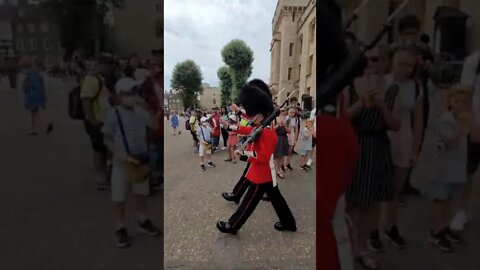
(203, 119)
(125, 85)
(209, 116)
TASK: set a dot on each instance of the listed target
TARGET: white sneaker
(459, 221)
(309, 162)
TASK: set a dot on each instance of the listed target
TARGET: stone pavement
(193, 204)
(53, 218)
(420, 255)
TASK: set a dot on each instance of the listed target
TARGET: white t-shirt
(470, 77)
(312, 117)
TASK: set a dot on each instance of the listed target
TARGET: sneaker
(210, 164)
(453, 236)
(459, 221)
(394, 235)
(440, 241)
(147, 227)
(305, 168)
(202, 167)
(283, 168)
(374, 243)
(289, 167)
(123, 239)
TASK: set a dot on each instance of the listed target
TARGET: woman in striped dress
(373, 110)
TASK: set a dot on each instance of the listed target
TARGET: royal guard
(261, 175)
(242, 184)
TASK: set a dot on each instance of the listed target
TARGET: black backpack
(75, 107)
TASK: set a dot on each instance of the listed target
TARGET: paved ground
(53, 218)
(193, 205)
(420, 255)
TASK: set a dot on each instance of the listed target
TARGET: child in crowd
(449, 173)
(304, 144)
(204, 135)
(232, 139)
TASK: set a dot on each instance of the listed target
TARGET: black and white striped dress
(372, 179)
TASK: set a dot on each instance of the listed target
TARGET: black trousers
(253, 196)
(225, 137)
(242, 184)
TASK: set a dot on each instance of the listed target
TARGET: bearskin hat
(262, 85)
(255, 101)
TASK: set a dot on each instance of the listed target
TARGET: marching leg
(239, 188)
(249, 203)
(287, 221)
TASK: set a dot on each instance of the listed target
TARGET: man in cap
(258, 105)
(125, 131)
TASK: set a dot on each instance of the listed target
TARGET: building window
(33, 44)
(214, 101)
(301, 43)
(293, 16)
(310, 64)
(46, 44)
(290, 50)
(299, 71)
(159, 7)
(31, 27)
(20, 28)
(19, 45)
(159, 30)
(44, 27)
(308, 91)
(26, 45)
(289, 77)
(312, 32)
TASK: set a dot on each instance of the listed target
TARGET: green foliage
(187, 80)
(226, 84)
(239, 58)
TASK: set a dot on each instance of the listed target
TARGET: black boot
(280, 227)
(230, 197)
(225, 227)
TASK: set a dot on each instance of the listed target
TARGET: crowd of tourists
(415, 137)
(210, 135)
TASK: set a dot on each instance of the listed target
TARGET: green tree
(187, 81)
(81, 23)
(226, 84)
(239, 58)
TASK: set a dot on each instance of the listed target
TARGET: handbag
(136, 173)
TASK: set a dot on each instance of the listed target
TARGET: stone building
(172, 102)
(137, 28)
(210, 98)
(34, 33)
(375, 14)
(293, 55)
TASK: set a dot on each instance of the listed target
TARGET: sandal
(280, 175)
(366, 261)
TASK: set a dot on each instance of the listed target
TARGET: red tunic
(259, 154)
(337, 152)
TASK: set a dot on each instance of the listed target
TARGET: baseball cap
(203, 119)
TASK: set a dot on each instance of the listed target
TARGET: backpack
(75, 106)
(187, 124)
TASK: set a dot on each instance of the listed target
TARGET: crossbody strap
(122, 131)
(201, 130)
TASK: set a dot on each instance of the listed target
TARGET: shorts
(441, 190)
(473, 159)
(121, 185)
(96, 138)
(202, 150)
(301, 152)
